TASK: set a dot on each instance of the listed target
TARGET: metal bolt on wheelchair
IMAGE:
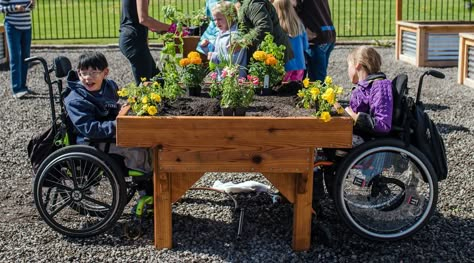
(386, 188)
(79, 190)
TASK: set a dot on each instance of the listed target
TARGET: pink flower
(224, 74)
(213, 76)
(241, 80)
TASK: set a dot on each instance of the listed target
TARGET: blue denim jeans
(19, 45)
(318, 59)
(134, 46)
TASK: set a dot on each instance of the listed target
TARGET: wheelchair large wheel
(79, 191)
(385, 190)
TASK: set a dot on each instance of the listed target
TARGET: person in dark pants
(316, 16)
(134, 25)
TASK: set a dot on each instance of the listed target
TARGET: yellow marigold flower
(314, 92)
(156, 84)
(339, 90)
(196, 61)
(193, 54)
(155, 97)
(152, 110)
(328, 80)
(123, 93)
(306, 82)
(340, 110)
(271, 61)
(259, 55)
(131, 100)
(300, 94)
(329, 95)
(145, 100)
(143, 79)
(325, 116)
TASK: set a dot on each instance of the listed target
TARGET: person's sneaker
(20, 94)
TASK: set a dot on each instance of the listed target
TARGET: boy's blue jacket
(92, 113)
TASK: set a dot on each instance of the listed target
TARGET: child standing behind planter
(293, 26)
(91, 102)
(225, 18)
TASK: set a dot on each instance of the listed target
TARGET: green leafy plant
(268, 60)
(320, 96)
(235, 92)
(170, 65)
(192, 70)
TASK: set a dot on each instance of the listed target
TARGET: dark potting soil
(282, 103)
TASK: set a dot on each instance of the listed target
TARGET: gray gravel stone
(204, 224)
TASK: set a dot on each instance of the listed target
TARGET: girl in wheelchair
(92, 106)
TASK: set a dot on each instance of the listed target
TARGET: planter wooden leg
(302, 213)
(162, 206)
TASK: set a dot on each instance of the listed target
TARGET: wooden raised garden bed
(466, 60)
(185, 147)
(430, 44)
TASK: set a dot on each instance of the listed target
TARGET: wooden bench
(466, 60)
(430, 43)
(185, 147)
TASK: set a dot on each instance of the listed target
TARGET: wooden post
(162, 205)
(398, 10)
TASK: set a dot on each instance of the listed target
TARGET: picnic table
(185, 147)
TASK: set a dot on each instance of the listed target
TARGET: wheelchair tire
(385, 190)
(79, 191)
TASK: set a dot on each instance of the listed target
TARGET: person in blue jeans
(316, 16)
(18, 31)
(133, 41)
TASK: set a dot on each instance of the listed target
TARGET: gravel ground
(204, 226)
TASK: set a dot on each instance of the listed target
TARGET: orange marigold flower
(271, 61)
(184, 62)
(196, 61)
(193, 54)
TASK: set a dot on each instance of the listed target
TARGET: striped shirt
(20, 20)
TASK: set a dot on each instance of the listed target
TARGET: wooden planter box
(430, 44)
(466, 60)
(185, 147)
(3, 45)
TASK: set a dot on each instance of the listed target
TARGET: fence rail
(91, 19)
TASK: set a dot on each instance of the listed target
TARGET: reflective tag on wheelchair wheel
(413, 201)
(359, 181)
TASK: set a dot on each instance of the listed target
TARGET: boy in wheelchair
(92, 106)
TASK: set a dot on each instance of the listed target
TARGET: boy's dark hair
(92, 59)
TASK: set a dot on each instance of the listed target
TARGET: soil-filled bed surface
(204, 223)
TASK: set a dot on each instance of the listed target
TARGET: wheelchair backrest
(400, 94)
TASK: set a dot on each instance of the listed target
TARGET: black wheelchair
(386, 188)
(79, 190)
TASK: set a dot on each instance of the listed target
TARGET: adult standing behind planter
(18, 30)
(261, 17)
(316, 16)
(134, 25)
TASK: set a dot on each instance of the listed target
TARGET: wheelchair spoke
(96, 202)
(72, 166)
(67, 203)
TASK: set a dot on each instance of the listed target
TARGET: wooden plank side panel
(216, 131)
(233, 159)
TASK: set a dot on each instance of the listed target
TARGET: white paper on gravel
(245, 187)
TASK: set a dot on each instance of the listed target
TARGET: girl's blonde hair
(289, 20)
(367, 57)
(227, 9)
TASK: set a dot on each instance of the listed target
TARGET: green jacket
(261, 16)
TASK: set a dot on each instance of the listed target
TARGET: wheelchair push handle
(43, 62)
(430, 72)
